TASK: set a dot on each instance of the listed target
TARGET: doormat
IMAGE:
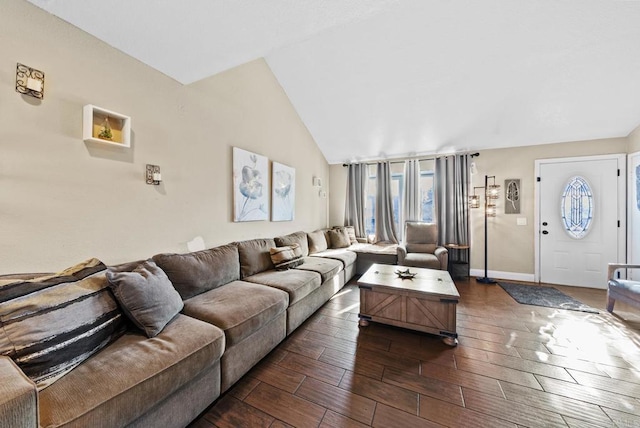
(544, 296)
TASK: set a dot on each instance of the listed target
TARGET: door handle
(545, 232)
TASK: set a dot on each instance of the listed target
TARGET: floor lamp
(491, 193)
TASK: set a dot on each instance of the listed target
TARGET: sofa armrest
(613, 267)
(18, 397)
(443, 256)
(401, 251)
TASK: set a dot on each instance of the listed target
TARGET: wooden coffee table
(426, 302)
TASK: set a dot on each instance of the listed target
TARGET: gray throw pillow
(146, 296)
(339, 238)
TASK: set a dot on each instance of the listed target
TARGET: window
(370, 203)
(397, 195)
(577, 207)
(426, 190)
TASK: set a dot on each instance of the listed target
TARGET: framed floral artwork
(283, 192)
(250, 186)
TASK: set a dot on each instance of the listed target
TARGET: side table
(458, 267)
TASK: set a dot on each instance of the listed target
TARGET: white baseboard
(514, 276)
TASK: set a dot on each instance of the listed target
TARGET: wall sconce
(153, 175)
(473, 169)
(29, 81)
(491, 193)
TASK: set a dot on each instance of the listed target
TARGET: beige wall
(634, 140)
(511, 247)
(63, 200)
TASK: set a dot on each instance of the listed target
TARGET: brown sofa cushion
(131, 376)
(347, 257)
(327, 268)
(146, 295)
(239, 308)
(255, 256)
(297, 283)
(299, 238)
(200, 271)
(59, 321)
(317, 241)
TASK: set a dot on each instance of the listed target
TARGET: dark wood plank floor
(515, 366)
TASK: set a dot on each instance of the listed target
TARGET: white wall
(63, 200)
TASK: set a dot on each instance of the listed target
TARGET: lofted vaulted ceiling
(392, 78)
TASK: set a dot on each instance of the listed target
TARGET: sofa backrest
(255, 256)
(194, 273)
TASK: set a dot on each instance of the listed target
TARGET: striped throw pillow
(51, 324)
(286, 257)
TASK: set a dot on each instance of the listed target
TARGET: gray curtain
(412, 197)
(356, 196)
(451, 185)
(385, 229)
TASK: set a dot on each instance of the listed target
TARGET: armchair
(625, 290)
(420, 248)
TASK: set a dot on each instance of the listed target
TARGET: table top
(428, 281)
(457, 246)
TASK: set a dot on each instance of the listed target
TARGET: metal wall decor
(512, 196)
(577, 207)
(29, 81)
(153, 175)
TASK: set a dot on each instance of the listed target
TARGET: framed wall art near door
(250, 186)
(283, 192)
(512, 196)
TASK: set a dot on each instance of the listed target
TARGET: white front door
(633, 256)
(579, 219)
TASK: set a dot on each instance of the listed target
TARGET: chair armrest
(613, 267)
(18, 397)
(401, 251)
(443, 256)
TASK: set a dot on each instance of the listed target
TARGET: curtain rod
(402, 160)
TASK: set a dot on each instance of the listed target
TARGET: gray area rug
(544, 296)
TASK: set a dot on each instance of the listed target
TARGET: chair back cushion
(421, 237)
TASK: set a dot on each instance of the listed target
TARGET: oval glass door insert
(577, 207)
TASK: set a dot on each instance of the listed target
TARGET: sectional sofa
(228, 308)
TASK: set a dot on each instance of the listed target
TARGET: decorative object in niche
(29, 81)
(512, 196)
(105, 131)
(104, 126)
(283, 193)
(250, 186)
(153, 175)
